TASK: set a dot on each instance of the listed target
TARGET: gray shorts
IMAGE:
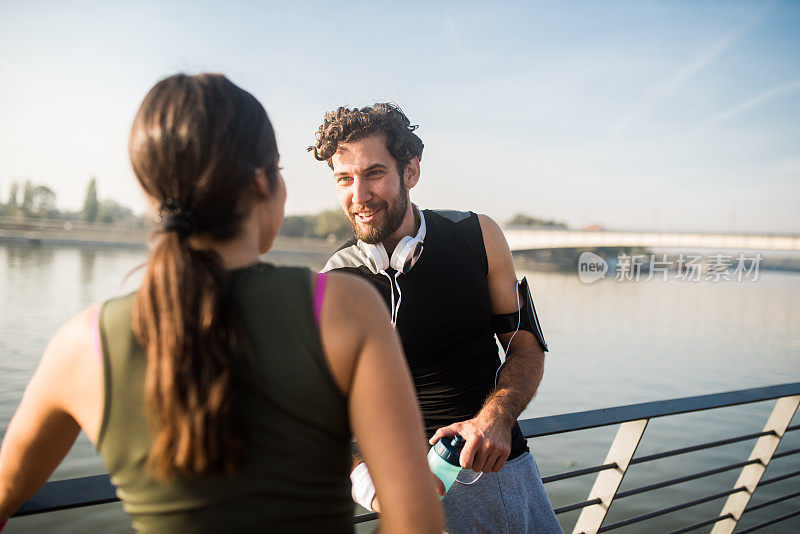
(510, 501)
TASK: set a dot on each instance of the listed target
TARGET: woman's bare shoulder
(352, 313)
(70, 372)
(75, 336)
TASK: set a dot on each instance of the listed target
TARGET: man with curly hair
(447, 303)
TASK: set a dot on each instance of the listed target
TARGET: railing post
(751, 474)
(608, 481)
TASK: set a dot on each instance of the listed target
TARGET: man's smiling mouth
(366, 215)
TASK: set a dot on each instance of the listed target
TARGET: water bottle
(443, 459)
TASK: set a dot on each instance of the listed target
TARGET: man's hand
(488, 442)
(437, 484)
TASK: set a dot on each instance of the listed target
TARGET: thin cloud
(661, 92)
(760, 98)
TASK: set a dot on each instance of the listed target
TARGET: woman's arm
(62, 391)
(367, 362)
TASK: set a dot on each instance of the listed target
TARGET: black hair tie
(175, 218)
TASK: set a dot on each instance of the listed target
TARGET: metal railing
(632, 420)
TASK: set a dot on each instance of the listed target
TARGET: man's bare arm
(488, 434)
(518, 379)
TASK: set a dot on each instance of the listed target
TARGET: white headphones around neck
(405, 254)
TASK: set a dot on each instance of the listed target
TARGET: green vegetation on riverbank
(37, 202)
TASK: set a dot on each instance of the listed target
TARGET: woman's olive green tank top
(295, 478)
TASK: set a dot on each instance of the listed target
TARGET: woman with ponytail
(223, 394)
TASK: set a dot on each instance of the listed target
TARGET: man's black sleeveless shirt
(444, 319)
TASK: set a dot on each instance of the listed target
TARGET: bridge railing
(632, 421)
(520, 238)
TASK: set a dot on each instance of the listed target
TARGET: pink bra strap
(319, 292)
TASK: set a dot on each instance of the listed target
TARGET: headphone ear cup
(401, 253)
(409, 249)
(381, 257)
(375, 256)
(405, 256)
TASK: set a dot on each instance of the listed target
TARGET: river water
(612, 343)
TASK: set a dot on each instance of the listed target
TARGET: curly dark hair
(346, 125)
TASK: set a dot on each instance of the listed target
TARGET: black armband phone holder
(524, 319)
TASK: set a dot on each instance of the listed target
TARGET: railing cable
(578, 472)
(699, 447)
(577, 506)
(785, 453)
(770, 522)
(777, 479)
(771, 502)
(701, 524)
(688, 478)
(671, 509)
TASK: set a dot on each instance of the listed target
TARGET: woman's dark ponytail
(188, 144)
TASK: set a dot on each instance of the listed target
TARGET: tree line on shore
(29, 201)
(38, 202)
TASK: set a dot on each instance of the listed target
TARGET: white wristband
(363, 489)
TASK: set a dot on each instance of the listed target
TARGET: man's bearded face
(377, 232)
(371, 188)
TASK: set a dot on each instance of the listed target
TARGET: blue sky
(662, 115)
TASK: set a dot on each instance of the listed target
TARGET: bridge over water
(519, 237)
(523, 238)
